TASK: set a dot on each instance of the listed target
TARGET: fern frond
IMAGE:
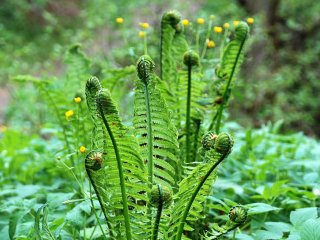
(78, 65)
(157, 135)
(232, 58)
(194, 189)
(168, 29)
(233, 54)
(123, 182)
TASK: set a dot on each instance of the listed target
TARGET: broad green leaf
(301, 215)
(257, 208)
(310, 230)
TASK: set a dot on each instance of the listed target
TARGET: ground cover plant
(151, 174)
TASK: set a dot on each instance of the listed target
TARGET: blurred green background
(279, 80)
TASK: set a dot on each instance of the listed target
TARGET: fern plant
(152, 179)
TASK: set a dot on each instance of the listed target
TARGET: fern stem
(150, 137)
(121, 176)
(194, 195)
(195, 141)
(158, 216)
(188, 116)
(225, 96)
(103, 209)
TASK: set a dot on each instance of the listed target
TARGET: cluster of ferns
(152, 179)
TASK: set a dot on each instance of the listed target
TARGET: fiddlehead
(161, 197)
(238, 214)
(237, 217)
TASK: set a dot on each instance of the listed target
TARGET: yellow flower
(77, 99)
(68, 114)
(235, 23)
(119, 20)
(250, 20)
(185, 22)
(144, 25)
(226, 25)
(210, 44)
(200, 21)
(142, 34)
(3, 128)
(218, 29)
(82, 149)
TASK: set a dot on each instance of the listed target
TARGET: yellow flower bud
(185, 22)
(68, 114)
(119, 20)
(211, 44)
(200, 21)
(226, 25)
(250, 20)
(144, 25)
(212, 17)
(217, 29)
(77, 99)
(235, 23)
(142, 34)
(82, 149)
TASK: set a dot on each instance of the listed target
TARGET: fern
(136, 177)
(230, 63)
(152, 122)
(169, 22)
(124, 173)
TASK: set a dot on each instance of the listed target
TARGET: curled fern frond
(223, 143)
(238, 214)
(209, 140)
(145, 67)
(161, 195)
(171, 17)
(191, 58)
(94, 160)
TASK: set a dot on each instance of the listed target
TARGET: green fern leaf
(193, 190)
(122, 185)
(233, 54)
(157, 135)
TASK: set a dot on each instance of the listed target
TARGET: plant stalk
(158, 216)
(194, 195)
(225, 96)
(188, 116)
(121, 176)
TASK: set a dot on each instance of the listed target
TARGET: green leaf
(301, 215)
(258, 208)
(266, 235)
(277, 227)
(310, 230)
